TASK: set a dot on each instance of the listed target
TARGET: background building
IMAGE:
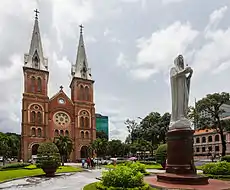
(102, 124)
(208, 142)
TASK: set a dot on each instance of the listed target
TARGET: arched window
(81, 93)
(33, 84)
(56, 133)
(39, 132)
(39, 84)
(197, 140)
(66, 133)
(35, 60)
(32, 117)
(81, 122)
(82, 135)
(33, 132)
(86, 97)
(209, 138)
(217, 138)
(203, 140)
(87, 134)
(87, 122)
(62, 132)
(39, 117)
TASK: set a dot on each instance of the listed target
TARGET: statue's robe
(179, 93)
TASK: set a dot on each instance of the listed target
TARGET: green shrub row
(218, 176)
(225, 158)
(148, 162)
(218, 168)
(14, 166)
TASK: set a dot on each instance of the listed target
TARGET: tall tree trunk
(223, 142)
(3, 161)
(62, 160)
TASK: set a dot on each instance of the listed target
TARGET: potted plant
(48, 158)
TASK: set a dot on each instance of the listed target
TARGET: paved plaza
(74, 181)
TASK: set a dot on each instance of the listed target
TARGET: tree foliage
(64, 145)
(9, 145)
(152, 128)
(102, 135)
(113, 148)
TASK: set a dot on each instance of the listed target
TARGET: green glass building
(102, 124)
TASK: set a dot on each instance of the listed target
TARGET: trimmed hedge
(161, 154)
(14, 166)
(218, 168)
(225, 158)
(148, 162)
(223, 177)
(48, 156)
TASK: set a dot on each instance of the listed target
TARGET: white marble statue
(180, 85)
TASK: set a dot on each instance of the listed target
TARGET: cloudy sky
(130, 44)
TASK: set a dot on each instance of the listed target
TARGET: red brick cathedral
(43, 118)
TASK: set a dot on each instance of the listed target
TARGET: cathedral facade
(45, 118)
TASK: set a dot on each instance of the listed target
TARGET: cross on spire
(61, 87)
(36, 13)
(81, 28)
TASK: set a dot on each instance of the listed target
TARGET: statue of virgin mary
(180, 77)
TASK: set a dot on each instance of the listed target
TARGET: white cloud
(9, 73)
(115, 40)
(215, 53)
(166, 2)
(64, 63)
(122, 61)
(215, 17)
(67, 16)
(222, 67)
(90, 39)
(143, 73)
(163, 46)
(107, 31)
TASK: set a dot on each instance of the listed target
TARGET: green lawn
(92, 186)
(153, 166)
(31, 171)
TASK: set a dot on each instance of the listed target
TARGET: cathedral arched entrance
(34, 150)
(84, 152)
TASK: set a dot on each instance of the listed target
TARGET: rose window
(61, 118)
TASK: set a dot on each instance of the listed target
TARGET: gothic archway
(35, 149)
(84, 152)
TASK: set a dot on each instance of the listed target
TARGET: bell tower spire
(80, 69)
(35, 59)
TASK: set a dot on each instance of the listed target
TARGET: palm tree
(65, 146)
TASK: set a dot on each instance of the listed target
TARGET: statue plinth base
(180, 166)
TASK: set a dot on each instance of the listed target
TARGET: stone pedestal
(180, 152)
(180, 166)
